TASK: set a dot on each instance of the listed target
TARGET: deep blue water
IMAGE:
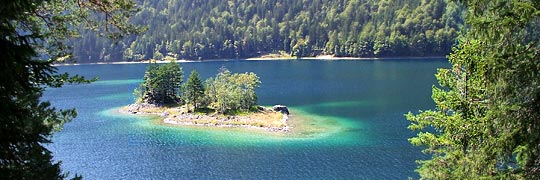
(355, 109)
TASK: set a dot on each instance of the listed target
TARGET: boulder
(164, 114)
(281, 108)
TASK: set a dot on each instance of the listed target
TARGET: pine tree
(193, 89)
(161, 84)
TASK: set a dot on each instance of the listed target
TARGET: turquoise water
(348, 116)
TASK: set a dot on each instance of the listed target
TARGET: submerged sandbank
(304, 125)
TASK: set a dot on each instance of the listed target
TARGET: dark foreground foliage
(486, 124)
(32, 36)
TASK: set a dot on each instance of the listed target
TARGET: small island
(227, 100)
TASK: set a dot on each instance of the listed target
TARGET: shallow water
(349, 113)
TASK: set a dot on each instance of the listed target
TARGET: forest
(217, 29)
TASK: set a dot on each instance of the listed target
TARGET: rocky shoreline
(268, 119)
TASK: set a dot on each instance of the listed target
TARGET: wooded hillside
(210, 29)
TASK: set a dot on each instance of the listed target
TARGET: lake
(354, 109)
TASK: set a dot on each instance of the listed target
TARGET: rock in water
(164, 114)
(281, 108)
(260, 108)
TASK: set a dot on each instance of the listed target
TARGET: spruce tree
(193, 90)
(161, 84)
(486, 124)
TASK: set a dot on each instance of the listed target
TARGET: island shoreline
(178, 116)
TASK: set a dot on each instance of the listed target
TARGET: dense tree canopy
(226, 92)
(229, 92)
(238, 29)
(486, 124)
(32, 36)
(161, 84)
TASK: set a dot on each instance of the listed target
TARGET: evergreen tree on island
(226, 100)
(226, 93)
(193, 90)
(161, 84)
